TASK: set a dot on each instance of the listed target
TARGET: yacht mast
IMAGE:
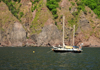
(73, 33)
(63, 30)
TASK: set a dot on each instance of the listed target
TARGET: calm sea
(23, 58)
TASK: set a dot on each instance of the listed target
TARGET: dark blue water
(44, 59)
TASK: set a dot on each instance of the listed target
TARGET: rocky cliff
(36, 26)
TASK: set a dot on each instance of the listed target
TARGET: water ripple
(25, 59)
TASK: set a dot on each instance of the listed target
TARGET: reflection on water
(24, 58)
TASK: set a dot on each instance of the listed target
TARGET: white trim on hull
(66, 50)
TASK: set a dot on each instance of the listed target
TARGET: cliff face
(14, 36)
(39, 28)
(49, 36)
(18, 35)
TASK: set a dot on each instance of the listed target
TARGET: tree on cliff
(52, 5)
(94, 5)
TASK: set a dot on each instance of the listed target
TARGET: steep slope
(35, 24)
(11, 31)
(86, 22)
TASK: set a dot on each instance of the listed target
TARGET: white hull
(61, 49)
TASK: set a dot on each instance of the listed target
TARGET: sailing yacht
(65, 48)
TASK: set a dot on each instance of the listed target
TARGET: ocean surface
(42, 58)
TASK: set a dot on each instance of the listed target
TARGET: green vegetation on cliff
(94, 5)
(33, 2)
(52, 5)
(36, 26)
(14, 7)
